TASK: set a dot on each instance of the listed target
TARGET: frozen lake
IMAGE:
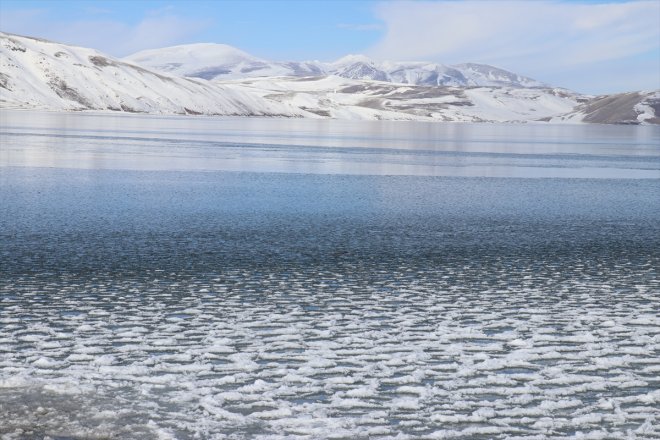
(211, 278)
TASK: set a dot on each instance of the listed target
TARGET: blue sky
(588, 46)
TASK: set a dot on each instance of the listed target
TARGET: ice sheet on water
(366, 362)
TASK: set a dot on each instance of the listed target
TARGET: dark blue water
(70, 220)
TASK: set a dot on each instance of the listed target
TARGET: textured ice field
(367, 296)
(341, 354)
(140, 305)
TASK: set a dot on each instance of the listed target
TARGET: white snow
(41, 74)
(45, 75)
(222, 62)
(343, 98)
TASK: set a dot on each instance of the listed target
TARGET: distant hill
(220, 61)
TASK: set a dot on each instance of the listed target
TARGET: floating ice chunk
(519, 343)
(273, 414)
(587, 419)
(340, 380)
(351, 403)
(419, 391)
(645, 320)
(243, 361)
(258, 386)
(31, 338)
(485, 413)
(320, 362)
(179, 357)
(405, 403)
(554, 405)
(69, 387)
(366, 391)
(160, 432)
(211, 406)
(651, 397)
(50, 345)
(44, 362)
(221, 349)
(592, 435)
(79, 357)
(647, 427)
(292, 378)
(106, 359)
(165, 342)
(230, 395)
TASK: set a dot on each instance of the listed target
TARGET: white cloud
(156, 29)
(533, 37)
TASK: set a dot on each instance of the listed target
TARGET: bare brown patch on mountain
(612, 109)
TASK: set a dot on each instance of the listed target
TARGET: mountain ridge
(44, 74)
(36, 73)
(217, 66)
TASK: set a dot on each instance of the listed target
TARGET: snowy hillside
(343, 98)
(41, 74)
(209, 61)
(620, 108)
(219, 61)
(483, 74)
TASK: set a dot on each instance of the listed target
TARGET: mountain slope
(195, 60)
(344, 98)
(484, 74)
(209, 61)
(620, 108)
(43, 74)
(221, 62)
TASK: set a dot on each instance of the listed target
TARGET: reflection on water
(326, 146)
(139, 302)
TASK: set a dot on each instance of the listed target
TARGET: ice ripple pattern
(307, 352)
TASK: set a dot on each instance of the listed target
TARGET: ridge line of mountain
(35, 73)
(220, 61)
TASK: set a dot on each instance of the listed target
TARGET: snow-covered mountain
(42, 74)
(211, 61)
(344, 98)
(220, 62)
(484, 74)
(36, 73)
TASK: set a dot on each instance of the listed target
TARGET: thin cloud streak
(567, 32)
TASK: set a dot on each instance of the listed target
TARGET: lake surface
(130, 142)
(166, 277)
